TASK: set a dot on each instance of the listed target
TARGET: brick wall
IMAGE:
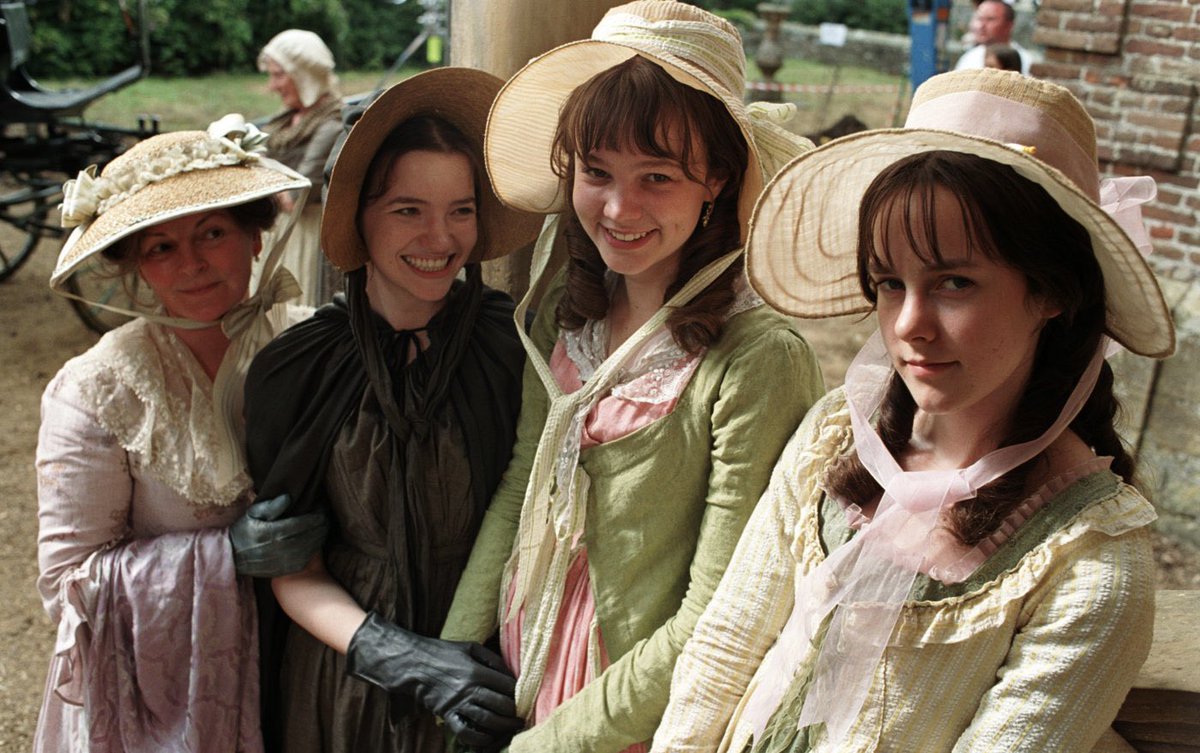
(1135, 64)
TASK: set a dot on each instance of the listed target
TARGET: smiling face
(639, 209)
(961, 328)
(198, 265)
(419, 232)
(281, 83)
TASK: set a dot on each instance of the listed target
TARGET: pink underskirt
(612, 417)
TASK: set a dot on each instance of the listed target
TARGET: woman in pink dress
(139, 457)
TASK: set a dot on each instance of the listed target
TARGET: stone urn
(770, 52)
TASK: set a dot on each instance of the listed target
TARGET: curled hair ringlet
(637, 105)
(1054, 254)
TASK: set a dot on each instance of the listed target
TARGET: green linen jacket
(666, 506)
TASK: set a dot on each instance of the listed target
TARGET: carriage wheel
(12, 258)
(97, 284)
(25, 215)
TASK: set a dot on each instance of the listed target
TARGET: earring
(708, 209)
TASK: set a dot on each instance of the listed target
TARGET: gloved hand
(266, 547)
(465, 684)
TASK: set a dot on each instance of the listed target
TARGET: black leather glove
(266, 547)
(465, 684)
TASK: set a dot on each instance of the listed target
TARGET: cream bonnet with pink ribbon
(801, 255)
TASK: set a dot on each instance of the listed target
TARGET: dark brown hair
(422, 133)
(252, 217)
(637, 105)
(1012, 221)
(1008, 58)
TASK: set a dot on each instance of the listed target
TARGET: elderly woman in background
(300, 71)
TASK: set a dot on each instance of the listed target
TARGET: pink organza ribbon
(867, 579)
(1122, 199)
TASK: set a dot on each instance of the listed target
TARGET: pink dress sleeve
(85, 490)
(157, 635)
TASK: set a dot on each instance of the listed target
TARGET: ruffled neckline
(950, 561)
(660, 370)
(146, 388)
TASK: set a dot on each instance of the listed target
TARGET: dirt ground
(38, 332)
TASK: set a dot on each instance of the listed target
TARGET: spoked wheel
(24, 205)
(96, 284)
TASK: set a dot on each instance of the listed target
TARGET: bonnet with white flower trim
(169, 176)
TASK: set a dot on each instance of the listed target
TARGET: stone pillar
(500, 36)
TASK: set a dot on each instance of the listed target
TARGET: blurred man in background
(992, 24)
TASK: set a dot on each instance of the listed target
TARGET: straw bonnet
(162, 178)
(695, 47)
(801, 256)
(176, 174)
(305, 58)
(461, 97)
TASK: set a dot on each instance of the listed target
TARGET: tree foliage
(875, 15)
(91, 38)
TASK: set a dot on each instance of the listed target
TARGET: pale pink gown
(157, 635)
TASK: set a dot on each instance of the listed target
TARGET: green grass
(817, 111)
(190, 103)
(183, 103)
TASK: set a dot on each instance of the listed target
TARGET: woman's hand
(266, 547)
(464, 684)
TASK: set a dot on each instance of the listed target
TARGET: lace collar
(146, 388)
(658, 371)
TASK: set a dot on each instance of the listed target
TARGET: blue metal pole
(927, 30)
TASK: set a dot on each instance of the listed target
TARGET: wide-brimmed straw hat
(461, 97)
(162, 178)
(695, 47)
(802, 252)
(176, 174)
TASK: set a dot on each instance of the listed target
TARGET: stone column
(500, 36)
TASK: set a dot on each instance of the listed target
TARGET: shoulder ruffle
(823, 436)
(147, 390)
(1120, 511)
(826, 434)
